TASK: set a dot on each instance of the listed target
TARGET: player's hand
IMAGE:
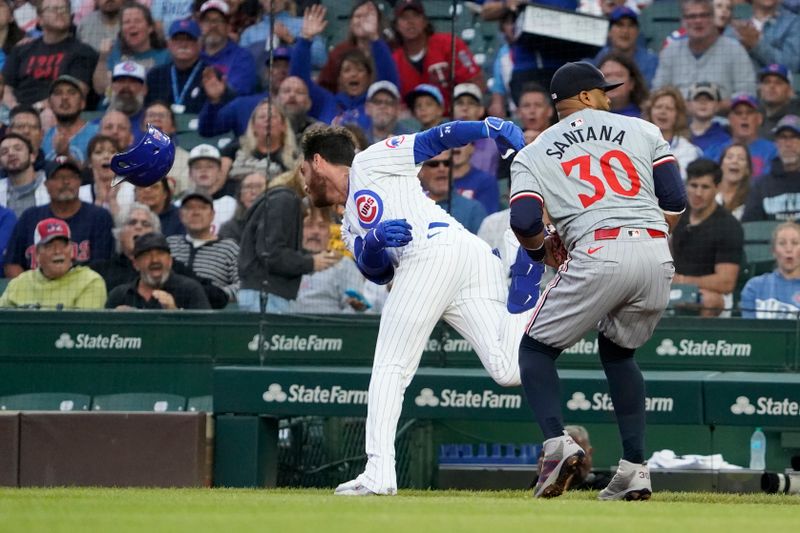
(389, 234)
(507, 135)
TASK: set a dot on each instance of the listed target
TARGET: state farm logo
(743, 406)
(704, 348)
(601, 401)
(482, 399)
(65, 342)
(426, 398)
(274, 393)
(85, 341)
(766, 405)
(578, 402)
(297, 343)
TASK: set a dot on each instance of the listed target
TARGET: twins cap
(149, 241)
(217, 5)
(744, 98)
(185, 26)
(573, 78)
(775, 69)
(129, 69)
(622, 12)
(385, 86)
(788, 122)
(49, 229)
(705, 87)
(204, 151)
(61, 161)
(469, 89)
(424, 89)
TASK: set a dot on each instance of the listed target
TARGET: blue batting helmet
(147, 162)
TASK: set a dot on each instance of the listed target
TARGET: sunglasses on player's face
(435, 164)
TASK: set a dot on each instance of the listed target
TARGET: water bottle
(758, 450)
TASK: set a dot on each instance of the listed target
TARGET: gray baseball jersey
(595, 170)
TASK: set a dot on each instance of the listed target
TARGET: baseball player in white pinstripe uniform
(612, 189)
(438, 269)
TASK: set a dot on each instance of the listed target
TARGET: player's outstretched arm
(371, 257)
(429, 143)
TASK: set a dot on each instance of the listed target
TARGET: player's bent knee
(611, 351)
(529, 346)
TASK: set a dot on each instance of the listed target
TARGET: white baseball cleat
(631, 483)
(562, 458)
(355, 487)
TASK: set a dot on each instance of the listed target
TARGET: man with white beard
(157, 287)
(128, 91)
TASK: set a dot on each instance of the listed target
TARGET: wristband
(537, 254)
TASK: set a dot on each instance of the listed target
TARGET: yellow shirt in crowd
(80, 288)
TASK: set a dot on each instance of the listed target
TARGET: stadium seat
(658, 20)
(759, 231)
(200, 403)
(185, 122)
(139, 401)
(46, 401)
(3, 284)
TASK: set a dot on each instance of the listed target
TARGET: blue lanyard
(174, 75)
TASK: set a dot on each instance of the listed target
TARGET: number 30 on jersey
(584, 164)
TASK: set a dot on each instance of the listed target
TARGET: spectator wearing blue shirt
(234, 63)
(745, 119)
(166, 12)
(472, 182)
(628, 98)
(703, 103)
(90, 225)
(7, 222)
(434, 177)
(355, 74)
(777, 295)
(771, 36)
(71, 134)
(623, 39)
(287, 29)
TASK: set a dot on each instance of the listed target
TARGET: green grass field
(283, 510)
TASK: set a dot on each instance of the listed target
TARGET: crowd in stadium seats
(236, 84)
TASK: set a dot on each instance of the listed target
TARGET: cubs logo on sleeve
(369, 207)
(394, 142)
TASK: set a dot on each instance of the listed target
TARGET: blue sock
(537, 367)
(626, 386)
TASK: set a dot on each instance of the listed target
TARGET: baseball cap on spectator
(775, 69)
(788, 122)
(204, 151)
(403, 5)
(217, 5)
(198, 196)
(280, 52)
(70, 80)
(622, 12)
(61, 161)
(128, 69)
(185, 26)
(469, 89)
(427, 90)
(49, 229)
(149, 241)
(707, 88)
(383, 86)
(743, 98)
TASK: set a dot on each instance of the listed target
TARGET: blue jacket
(779, 43)
(218, 119)
(237, 64)
(341, 107)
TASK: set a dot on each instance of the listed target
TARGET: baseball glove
(554, 246)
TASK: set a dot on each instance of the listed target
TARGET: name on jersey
(580, 135)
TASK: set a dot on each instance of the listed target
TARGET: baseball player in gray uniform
(438, 269)
(613, 191)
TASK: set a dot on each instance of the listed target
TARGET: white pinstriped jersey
(594, 169)
(383, 186)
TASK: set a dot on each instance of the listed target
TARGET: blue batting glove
(389, 234)
(507, 135)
